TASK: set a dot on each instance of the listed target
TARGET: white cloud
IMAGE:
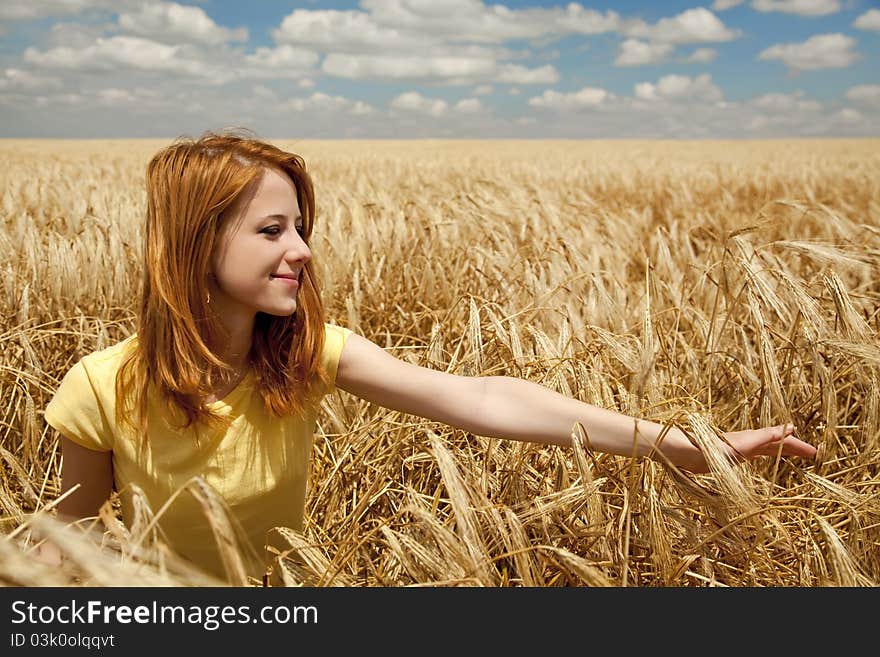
(77, 35)
(757, 123)
(345, 31)
(11, 11)
(68, 99)
(261, 91)
(483, 90)
(407, 68)
(217, 67)
(792, 114)
(113, 97)
(777, 102)
(429, 41)
(646, 91)
(818, 52)
(870, 20)
(435, 41)
(867, 94)
(119, 52)
(16, 79)
(848, 115)
(697, 25)
(513, 74)
(286, 58)
(679, 87)
(316, 100)
(471, 20)
(360, 108)
(702, 56)
(586, 98)
(799, 7)
(637, 53)
(134, 100)
(325, 103)
(174, 23)
(721, 5)
(306, 83)
(411, 26)
(469, 106)
(413, 101)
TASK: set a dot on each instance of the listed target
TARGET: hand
(752, 443)
(49, 554)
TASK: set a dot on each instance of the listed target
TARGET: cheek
(243, 255)
(242, 266)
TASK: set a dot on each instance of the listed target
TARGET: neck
(235, 344)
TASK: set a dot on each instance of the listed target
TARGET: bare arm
(93, 471)
(522, 410)
(506, 407)
(371, 373)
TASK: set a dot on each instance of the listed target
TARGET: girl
(232, 355)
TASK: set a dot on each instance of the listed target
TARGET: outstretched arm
(522, 410)
(506, 407)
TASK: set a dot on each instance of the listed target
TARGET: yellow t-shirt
(259, 465)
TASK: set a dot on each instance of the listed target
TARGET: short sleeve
(76, 411)
(334, 341)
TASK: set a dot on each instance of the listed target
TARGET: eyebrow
(279, 216)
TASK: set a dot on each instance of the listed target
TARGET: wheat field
(711, 285)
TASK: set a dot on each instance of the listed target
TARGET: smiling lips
(288, 279)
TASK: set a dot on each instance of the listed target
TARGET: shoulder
(335, 339)
(83, 405)
(94, 375)
(334, 332)
(363, 358)
(105, 362)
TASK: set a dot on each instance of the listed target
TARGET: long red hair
(192, 187)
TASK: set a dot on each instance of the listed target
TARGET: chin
(280, 313)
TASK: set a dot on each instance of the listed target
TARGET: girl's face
(257, 245)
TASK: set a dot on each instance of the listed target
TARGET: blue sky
(441, 68)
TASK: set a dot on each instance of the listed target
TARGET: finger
(766, 440)
(790, 447)
(797, 447)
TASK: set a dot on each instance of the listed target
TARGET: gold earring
(208, 298)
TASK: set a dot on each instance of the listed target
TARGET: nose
(298, 252)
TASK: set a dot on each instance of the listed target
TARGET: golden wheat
(710, 285)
